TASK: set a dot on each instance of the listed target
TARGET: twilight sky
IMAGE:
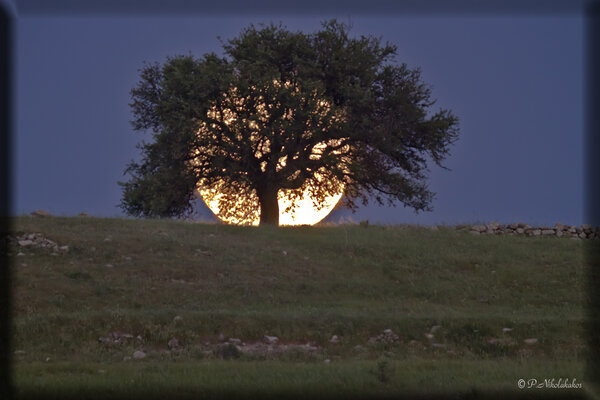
(515, 81)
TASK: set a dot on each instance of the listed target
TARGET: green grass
(301, 284)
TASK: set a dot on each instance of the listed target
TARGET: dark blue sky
(515, 82)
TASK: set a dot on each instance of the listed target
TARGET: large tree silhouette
(282, 110)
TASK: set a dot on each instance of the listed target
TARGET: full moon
(303, 212)
(297, 207)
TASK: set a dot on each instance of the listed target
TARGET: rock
(270, 339)
(64, 248)
(558, 226)
(479, 228)
(126, 358)
(24, 243)
(108, 239)
(475, 232)
(434, 228)
(20, 254)
(138, 355)
(334, 339)
(434, 328)
(108, 265)
(19, 352)
(173, 343)
(284, 253)
(530, 341)
(429, 336)
(234, 341)
(221, 337)
(493, 225)
(536, 232)
(178, 319)
(438, 345)
(546, 232)
(513, 226)
(48, 359)
(521, 225)
(327, 361)
(559, 233)
(40, 213)
(582, 235)
(506, 330)
(585, 227)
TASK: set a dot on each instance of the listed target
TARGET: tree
(285, 111)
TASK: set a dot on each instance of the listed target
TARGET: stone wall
(584, 231)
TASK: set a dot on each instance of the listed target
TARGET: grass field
(466, 310)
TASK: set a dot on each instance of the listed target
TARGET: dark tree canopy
(290, 111)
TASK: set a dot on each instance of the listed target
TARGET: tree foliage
(288, 111)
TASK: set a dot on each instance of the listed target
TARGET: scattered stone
(178, 319)
(48, 359)
(138, 355)
(108, 239)
(438, 345)
(24, 243)
(108, 265)
(64, 248)
(388, 336)
(327, 361)
(235, 341)
(19, 352)
(126, 358)
(502, 341)
(270, 339)
(284, 253)
(40, 213)
(530, 341)
(20, 254)
(334, 339)
(173, 343)
(506, 330)
(434, 328)
(101, 371)
(429, 336)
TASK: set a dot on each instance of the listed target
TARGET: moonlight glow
(296, 207)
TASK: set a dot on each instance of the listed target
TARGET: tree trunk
(269, 208)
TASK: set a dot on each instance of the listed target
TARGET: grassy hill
(466, 313)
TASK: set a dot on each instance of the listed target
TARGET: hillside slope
(204, 293)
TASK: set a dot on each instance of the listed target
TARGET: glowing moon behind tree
(304, 206)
